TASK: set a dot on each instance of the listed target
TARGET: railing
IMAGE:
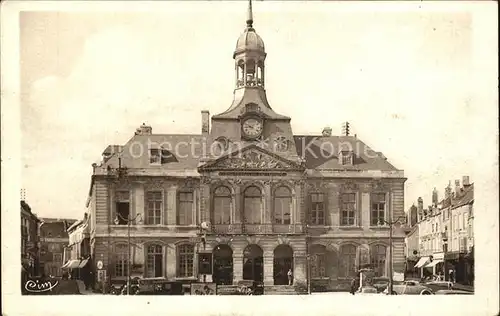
(257, 229)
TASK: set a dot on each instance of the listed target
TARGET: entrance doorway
(283, 261)
(223, 265)
(253, 263)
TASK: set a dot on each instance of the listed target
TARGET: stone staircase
(280, 290)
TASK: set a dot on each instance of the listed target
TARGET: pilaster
(171, 208)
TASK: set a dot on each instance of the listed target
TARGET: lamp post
(391, 225)
(128, 220)
(445, 249)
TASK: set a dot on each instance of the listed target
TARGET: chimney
(434, 197)
(447, 191)
(144, 130)
(327, 131)
(465, 181)
(457, 188)
(420, 208)
(205, 122)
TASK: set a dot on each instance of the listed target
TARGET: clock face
(252, 127)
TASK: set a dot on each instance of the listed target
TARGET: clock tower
(250, 119)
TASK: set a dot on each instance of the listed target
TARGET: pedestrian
(290, 276)
(452, 275)
(354, 285)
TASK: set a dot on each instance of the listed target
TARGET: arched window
(252, 205)
(222, 205)
(347, 261)
(282, 205)
(154, 261)
(121, 260)
(185, 256)
(377, 254)
(318, 261)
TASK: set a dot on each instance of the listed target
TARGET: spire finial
(250, 15)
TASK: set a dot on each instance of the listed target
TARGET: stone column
(365, 209)
(204, 202)
(299, 268)
(297, 205)
(267, 204)
(237, 205)
(139, 203)
(268, 268)
(171, 209)
(333, 207)
(237, 268)
(171, 258)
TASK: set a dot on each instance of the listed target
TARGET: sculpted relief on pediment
(253, 159)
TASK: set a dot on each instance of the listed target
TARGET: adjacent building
(30, 247)
(53, 240)
(446, 236)
(247, 191)
(77, 252)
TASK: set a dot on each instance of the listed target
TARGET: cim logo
(37, 286)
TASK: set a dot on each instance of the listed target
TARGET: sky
(409, 82)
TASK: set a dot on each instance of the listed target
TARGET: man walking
(355, 284)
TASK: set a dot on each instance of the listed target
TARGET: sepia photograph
(313, 153)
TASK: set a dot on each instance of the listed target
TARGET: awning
(83, 263)
(71, 264)
(433, 263)
(422, 262)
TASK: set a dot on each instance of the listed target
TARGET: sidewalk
(463, 287)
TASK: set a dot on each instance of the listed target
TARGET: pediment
(252, 158)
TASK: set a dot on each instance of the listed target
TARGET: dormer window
(159, 156)
(346, 158)
(251, 107)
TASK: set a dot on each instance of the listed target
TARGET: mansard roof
(319, 152)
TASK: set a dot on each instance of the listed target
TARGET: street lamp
(128, 220)
(391, 225)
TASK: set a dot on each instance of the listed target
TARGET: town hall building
(258, 199)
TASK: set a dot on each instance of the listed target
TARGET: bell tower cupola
(249, 56)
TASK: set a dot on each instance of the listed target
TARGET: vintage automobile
(155, 286)
(248, 287)
(409, 288)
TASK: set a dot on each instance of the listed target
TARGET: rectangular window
(464, 220)
(185, 261)
(317, 209)
(155, 207)
(348, 209)
(154, 264)
(378, 209)
(185, 212)
(318, 265)
(121, 264)
(122, 207)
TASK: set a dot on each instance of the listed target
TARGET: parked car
(248, 287)
(409, 288)
(159, 287)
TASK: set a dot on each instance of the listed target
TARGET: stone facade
(270, 201)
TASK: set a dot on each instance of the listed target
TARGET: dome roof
(249, 40)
